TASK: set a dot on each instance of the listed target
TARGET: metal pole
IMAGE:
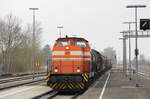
(129, 53)
(60, 27)
(136, 47)
(124, 54)
(47, 66)
(129, 66)
(60, 32)
(33, 42)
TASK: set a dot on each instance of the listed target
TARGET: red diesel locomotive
(74, 64)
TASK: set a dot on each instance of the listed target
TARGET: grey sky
(99, 21)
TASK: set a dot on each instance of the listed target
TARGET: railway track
(21, 80)
(10, 76)
(59, 95)
(4, 76)
(6, 80)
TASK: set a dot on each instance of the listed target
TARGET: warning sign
(37, 63)
(123, 65)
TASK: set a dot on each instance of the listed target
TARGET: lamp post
(124, 54)
(136, 33)
(129, 46)
(60, 27)
(33, 41)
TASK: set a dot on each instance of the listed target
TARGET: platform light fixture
(33, 40)
(136, 47)
(60, 27)
(129, 23)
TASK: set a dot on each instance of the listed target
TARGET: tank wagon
(74, 64)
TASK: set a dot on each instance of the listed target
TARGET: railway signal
(144, 24)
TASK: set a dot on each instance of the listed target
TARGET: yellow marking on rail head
(85, 79)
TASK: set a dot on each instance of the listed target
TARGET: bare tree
(16, 44)
(10, 39)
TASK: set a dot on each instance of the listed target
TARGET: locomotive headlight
(78, 68)
(56, 69)
(67, 48)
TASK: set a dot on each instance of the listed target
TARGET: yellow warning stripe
(72, 85)
(58, 85)
(51, 85)
(69, 86)
(85, 79)
(86, 75)
(80, 85)
(47, 80)
(48, 75)
(54, 85)
(62, 86)
(76, 85)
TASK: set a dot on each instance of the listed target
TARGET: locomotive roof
(74, 38)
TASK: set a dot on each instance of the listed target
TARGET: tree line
(16, 45)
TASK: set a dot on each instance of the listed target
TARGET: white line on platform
(97, 81)
(101, 95)
(19, 91)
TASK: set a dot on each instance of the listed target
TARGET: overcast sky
(99, 21)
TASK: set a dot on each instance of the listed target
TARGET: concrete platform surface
(24, 92)
(115, 85)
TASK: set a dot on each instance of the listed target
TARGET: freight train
(75, 64)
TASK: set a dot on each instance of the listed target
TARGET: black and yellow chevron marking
(85, 77)
(54, 85)
(76, 85)
(69, 85)
(47, 77)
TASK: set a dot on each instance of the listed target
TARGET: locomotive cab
(69, 56)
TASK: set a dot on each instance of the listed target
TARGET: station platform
(115, 85)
